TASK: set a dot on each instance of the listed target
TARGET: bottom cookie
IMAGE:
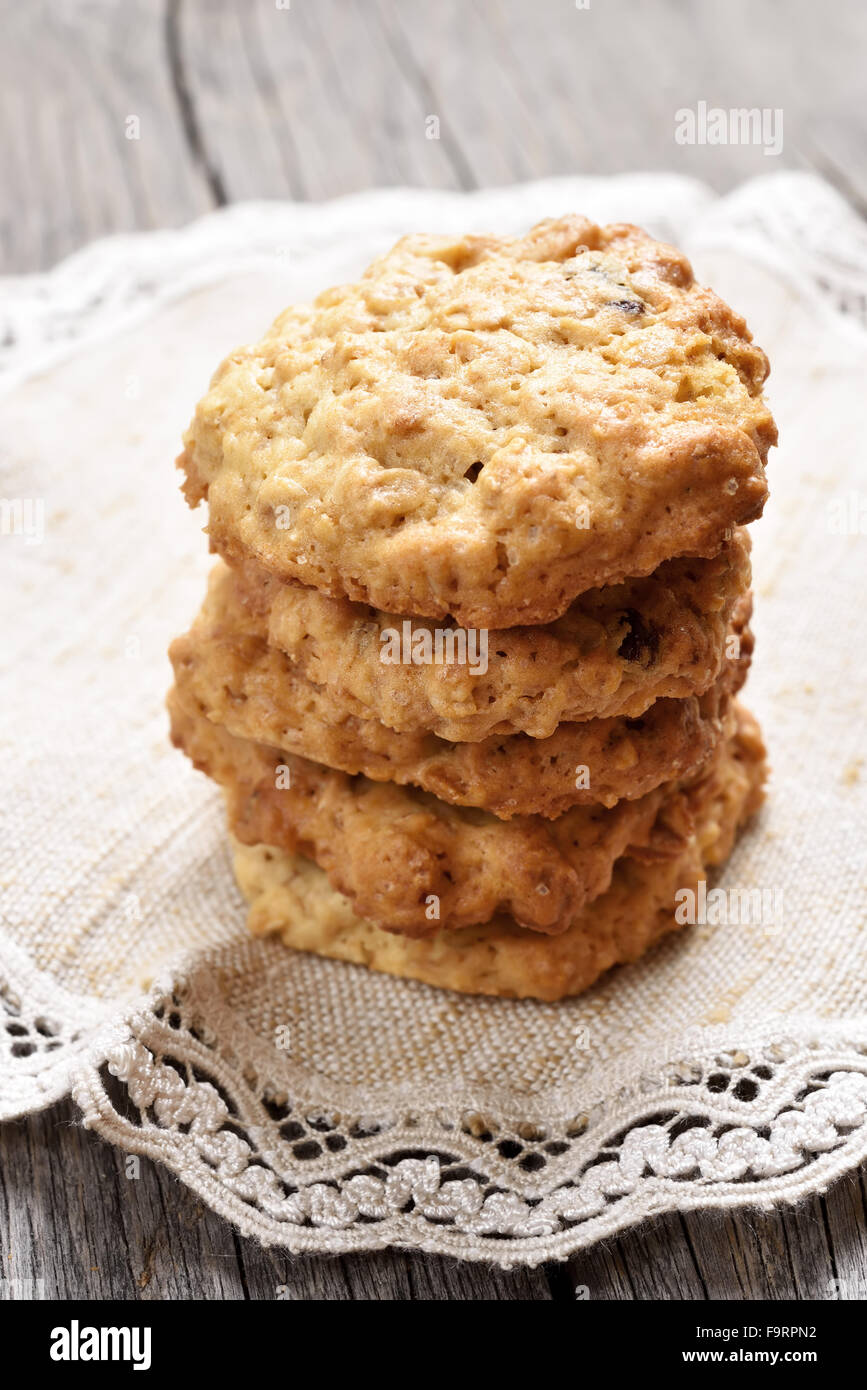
(290, 896)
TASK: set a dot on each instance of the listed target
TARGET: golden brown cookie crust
(613, 652)
(413, 863)
(289, 896)
(225, 670)
(486, 427)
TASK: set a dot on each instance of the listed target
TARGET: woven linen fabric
(314, 1104)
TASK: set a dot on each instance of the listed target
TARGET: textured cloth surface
(297, 1095)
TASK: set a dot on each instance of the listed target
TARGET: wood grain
(70, 77)
(73, 1223)
(241, 99)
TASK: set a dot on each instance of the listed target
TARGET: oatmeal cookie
(614, 651)
(225, 670)
(484, 428)
(415, 864)
(291, 897)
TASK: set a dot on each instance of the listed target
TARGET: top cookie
(485, 428)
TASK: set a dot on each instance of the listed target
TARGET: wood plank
(650, 1261)
(70, 77)
(844, 1219)
(334, 94)
(392, 1275)
(548, 88)
(762, 1255)
(75, 1223)
(238, 100)
(309, 102)
(815, 1251)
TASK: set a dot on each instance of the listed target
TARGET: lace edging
(794, 1117)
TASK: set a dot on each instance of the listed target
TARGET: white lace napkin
(314, 1104)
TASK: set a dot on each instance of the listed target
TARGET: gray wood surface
(72, 1224)
(239, 99)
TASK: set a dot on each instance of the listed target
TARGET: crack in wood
(186, 106)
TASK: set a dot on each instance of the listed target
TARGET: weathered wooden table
(260, 98)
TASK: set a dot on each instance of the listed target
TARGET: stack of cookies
(467, 668)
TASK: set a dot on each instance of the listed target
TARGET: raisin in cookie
(486, 427)
(225, 670)
(613, 652)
